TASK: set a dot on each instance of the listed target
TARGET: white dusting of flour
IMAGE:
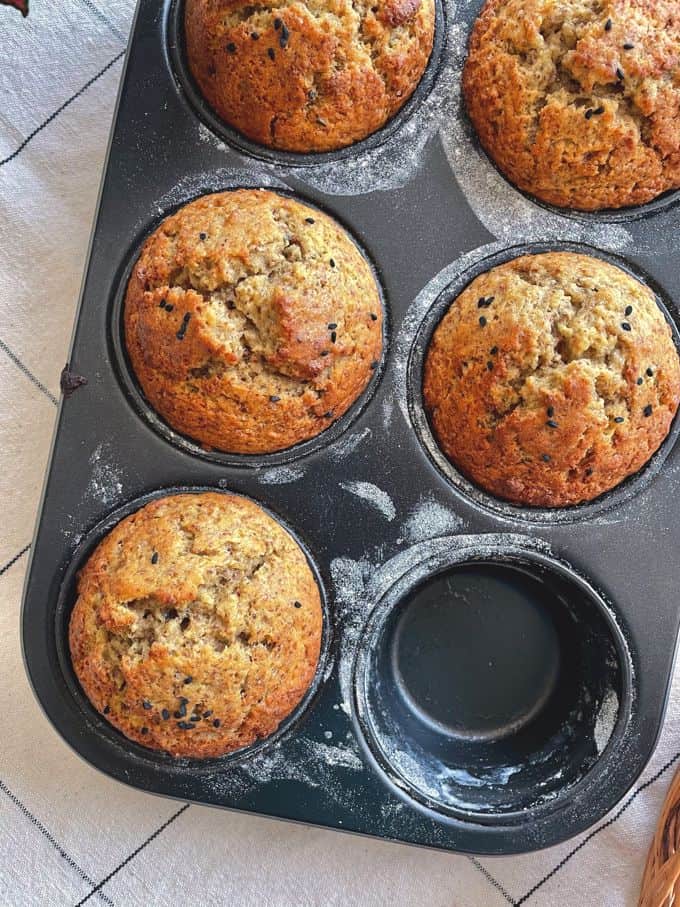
(105, 483)
(376, 497)
(606, 720)
(429, 519)
(281, 475)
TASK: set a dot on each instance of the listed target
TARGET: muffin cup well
(135, 395)
(103, 733)
(480, 497)
(493, 684)
(176, 51)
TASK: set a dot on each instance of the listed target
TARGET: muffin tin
(494, 677)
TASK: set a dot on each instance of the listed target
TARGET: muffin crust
(578, 101)
(252, 321)
(197, 626)
(308, 76)
(551, 379)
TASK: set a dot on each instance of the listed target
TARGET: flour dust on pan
(458, 721)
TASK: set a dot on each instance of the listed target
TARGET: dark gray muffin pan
(493, 678)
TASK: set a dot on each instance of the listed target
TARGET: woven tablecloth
(69, 835)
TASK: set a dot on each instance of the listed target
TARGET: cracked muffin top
(197, 627)
(551, 379)
(578, 101)
(308, 76)
(252, 322)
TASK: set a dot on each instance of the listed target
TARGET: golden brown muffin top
(308, 76)
(552, 378)
(578, 101)
(197, 626)
(252, 321)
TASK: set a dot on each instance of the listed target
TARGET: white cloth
(64, 828)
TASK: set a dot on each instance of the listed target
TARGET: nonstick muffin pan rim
(500, 508)
(439, 564)
(97, 723)
(146, 411)
(176, 58)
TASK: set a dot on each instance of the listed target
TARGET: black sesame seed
(629, 310)
(171, 614)
(648, 410)
(203, 236)
(328, 415)
(217, 722)
(255, 36)
(608, 25)
(183, 327)
(182, 710)
(489, 365)
(332, 326)
(482, 321)
(551, 412)
(146, 705)
(165, 714)
(374, 317)
(310, 220)
(485, 301)
(185, 726)
(639, 380)
(278, 23)
(628, 46)
(650, 372)
(154, 557)
(334, 336)
(188, 679)
(107, 709)
(493, 351)
(326, 353)
(589, 471)
(145, 730)
(231, 47)
(195, 718)
(274, 399)
(207, 713)
(297, 604)
(625, 326)
(285, 35)
(161, 304)
(169, 308)
(271, 53)
(551, 423)
(619, 420)
(332, 262)
(620, 74)
(598, 111)
(589, 113)
(546, 458)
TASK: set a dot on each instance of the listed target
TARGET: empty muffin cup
(489, 684)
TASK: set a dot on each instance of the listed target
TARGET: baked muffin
(578, 102)
(252, 322)
(551, 378)
(197, 626)
(308, 76)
